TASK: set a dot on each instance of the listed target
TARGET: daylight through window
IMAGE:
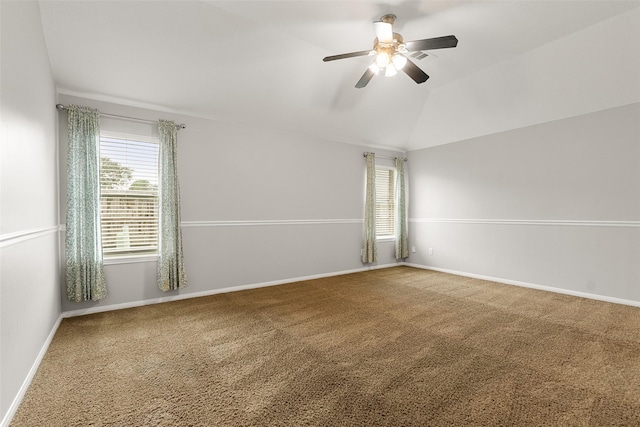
(129, 195)
(385, 205)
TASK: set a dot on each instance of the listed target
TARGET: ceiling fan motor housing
(392, 46)
(389, 18)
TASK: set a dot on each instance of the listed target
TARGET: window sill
(130, 259)
(386, 238)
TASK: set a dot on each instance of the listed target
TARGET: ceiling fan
(389, 49)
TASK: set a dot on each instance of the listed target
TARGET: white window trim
(129, 259)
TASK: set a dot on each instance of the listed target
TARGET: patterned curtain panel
(402, 244)
(369, 249)
(170, 274)
(83, 244)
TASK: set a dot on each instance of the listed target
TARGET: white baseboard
(531, 285)
(32, 372)
(140, 303)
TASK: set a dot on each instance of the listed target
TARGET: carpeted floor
(392, 347)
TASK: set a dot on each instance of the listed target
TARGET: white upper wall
(584, 168)
(28, 140)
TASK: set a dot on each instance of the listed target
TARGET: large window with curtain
(128, 194)
(385, 202)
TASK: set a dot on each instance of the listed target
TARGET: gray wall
(258, 206)
(29, 269)
(556, 204)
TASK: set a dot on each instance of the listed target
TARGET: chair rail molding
(248, 223)
(9, 239)
(547, 222)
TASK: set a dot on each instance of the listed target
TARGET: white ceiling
(260, 62)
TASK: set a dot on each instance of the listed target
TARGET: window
(385, 202)
(128, 194)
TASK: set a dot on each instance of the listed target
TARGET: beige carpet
(393, 347)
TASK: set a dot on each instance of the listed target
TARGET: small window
(128, 194)
(385, 202)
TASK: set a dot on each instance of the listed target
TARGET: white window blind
(129, 195)
(385, 205)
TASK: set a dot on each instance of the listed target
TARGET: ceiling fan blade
(346, 55)
(434, 43)
(365, 79)
(415, 72)
(384, 32)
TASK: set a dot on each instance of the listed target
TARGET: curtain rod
(61, 107)
(384, 157)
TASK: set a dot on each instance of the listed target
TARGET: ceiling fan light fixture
(399, 61)
(390, 71)
(374, 68)
(382, 59)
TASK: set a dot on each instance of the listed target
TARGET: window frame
(126, 257)
(392, 198)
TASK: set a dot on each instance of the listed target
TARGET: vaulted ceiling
(259, 63)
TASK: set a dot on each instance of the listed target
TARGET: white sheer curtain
(369, 248)
(83, 244)
(402, 244)
(170, 273)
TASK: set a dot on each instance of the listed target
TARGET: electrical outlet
(430, 251)
(413, 249)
